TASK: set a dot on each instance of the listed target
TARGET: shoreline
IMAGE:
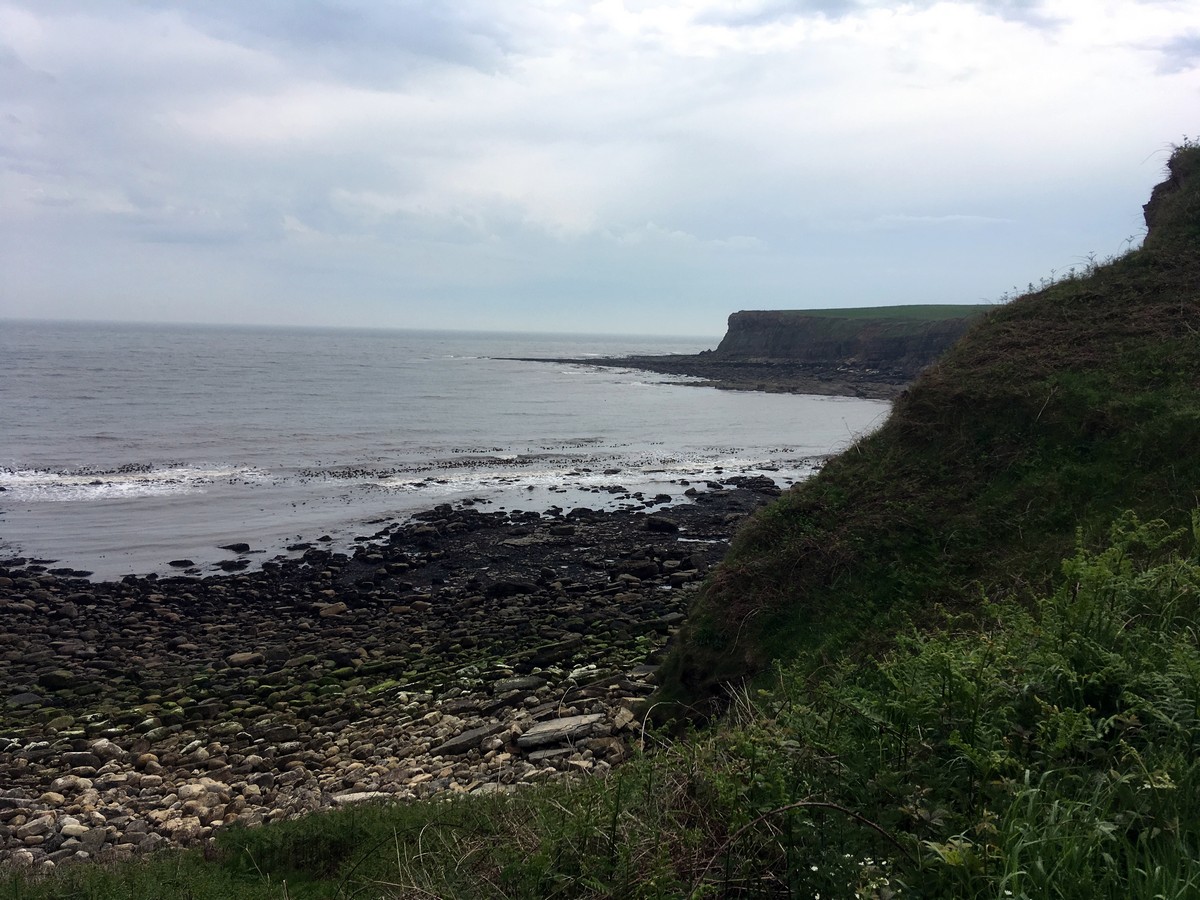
(774, 376)
(460, 651)
(335, 521)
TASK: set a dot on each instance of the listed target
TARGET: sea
(124, 447)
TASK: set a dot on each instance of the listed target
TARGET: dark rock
(238, 547)
(660, 524)
(510, 587)
(555, 652)
(245, 658)
(639, 568)
(81, 758)
(58, 679)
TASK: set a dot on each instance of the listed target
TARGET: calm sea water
(123, 446)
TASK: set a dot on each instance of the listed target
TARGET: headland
(869, 352)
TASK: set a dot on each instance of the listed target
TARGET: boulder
(559, 731)
(57, 679)
(660, 524)
(467, 740)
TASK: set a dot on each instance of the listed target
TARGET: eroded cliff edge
(897, 341)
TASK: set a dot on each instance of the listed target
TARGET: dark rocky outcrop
(900, 341)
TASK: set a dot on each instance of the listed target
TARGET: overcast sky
(622, 167)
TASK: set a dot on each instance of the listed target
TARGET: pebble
(463, 651)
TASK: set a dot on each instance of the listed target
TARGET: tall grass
(1050, 754)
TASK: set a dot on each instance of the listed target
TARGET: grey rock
(468, 740)
(107, 750)
(522, 683)
(558, 731)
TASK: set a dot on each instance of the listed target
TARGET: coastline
(461, 651)
(775, 376)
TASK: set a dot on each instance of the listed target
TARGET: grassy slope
(1055, 412)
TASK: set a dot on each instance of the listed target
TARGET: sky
(633, 167)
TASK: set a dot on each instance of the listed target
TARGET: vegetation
(976, 636)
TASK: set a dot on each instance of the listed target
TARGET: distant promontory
(864, 352)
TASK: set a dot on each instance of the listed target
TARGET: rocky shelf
(776, 376)
(463, 651)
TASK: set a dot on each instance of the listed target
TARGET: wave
(125, 481)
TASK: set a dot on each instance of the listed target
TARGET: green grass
(919, 312)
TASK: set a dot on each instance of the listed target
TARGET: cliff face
(902, 340)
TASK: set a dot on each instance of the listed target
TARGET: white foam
(586, 474)
(47, 486)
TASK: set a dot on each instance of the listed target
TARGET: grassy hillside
(1055, 413)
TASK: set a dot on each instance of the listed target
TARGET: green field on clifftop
(926, 312)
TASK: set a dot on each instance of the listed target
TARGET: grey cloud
(1181, 54)
(773, 11)
(1028, 12)
(365, 42)
(197, 234)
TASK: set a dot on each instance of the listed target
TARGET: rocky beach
(462, 650)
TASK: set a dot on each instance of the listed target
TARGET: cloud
(773, 12)
(671, 157)
(652, 234)
(900, 220)
(1181, 54)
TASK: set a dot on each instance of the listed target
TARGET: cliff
(870, 352)
(900, 340)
